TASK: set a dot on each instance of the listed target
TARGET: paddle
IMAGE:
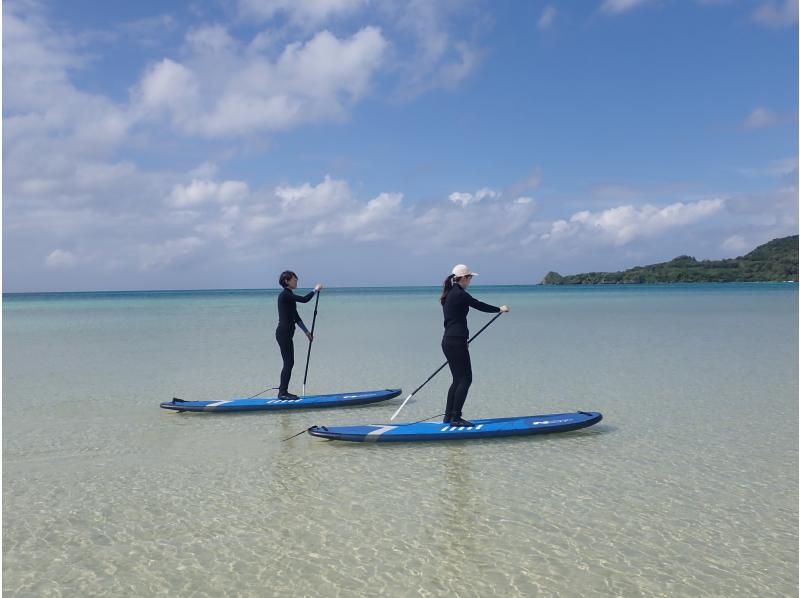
(442, 366)
(311, 341)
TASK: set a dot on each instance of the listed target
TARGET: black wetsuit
(455, 347)
(284, 333)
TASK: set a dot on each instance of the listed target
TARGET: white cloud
(428, 53)
(36, 57)
(306, 13)
(60, 258)
(472, 229)
(199, 226)
(621, 6)
(168, 85)
(102, 175)
(759, 118)
(210, 40)
(547, 18)
(778, 13)
(154, 256)
(42, 102)
(203, 191)
(464, 199)
(737, 243)
(621, 225)
(369, 222)
(206, 170)
(224, 89)
(307, 201)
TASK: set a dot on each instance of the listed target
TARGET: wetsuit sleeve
(481, 306)
(301, 325)
(304, 298)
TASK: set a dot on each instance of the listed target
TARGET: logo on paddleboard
(461, 428)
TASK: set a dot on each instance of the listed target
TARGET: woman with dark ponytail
(284, 333)
(456, 302)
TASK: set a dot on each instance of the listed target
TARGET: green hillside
(775, 261)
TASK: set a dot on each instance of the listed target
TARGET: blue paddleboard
(483, 428)
(275, 404)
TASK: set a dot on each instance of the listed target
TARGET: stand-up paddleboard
(275, 404)
(483, 428)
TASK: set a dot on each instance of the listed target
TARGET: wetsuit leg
(456, 351)
(463, 388)
(286, 345)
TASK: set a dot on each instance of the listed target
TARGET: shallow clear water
(688, 487)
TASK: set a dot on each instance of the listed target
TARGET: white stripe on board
(373, 436)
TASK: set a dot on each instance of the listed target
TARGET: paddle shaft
(441, 367)
(311, 341)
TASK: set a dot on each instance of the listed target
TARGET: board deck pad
(483, 428)
(275, 404)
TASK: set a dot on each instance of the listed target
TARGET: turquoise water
(688, 487)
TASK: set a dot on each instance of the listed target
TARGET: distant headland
(775, 261)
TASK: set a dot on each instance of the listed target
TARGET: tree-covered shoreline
(776, 261)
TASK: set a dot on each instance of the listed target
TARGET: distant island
(775, 261)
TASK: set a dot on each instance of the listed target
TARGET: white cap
(461, 270)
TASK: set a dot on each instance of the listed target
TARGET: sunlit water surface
(687, 488)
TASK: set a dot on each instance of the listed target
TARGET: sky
(213, 144)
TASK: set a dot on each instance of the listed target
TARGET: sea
(688, 487)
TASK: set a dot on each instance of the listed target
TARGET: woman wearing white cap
(455, 305)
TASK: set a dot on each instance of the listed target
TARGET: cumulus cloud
(167, 86)
(202, 191)
(302, 216)
(369, 222)
(41, 136)
(465, 199)
(224, 89)
(205, 219)
(224, 86)
(312, 201)
(621, 225)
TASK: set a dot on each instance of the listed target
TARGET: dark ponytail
(448, 284)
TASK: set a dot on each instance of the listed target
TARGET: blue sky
(173, 145)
